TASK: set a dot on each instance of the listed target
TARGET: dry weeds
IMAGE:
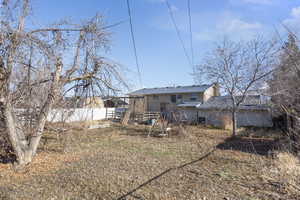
(108, 163)
(284, 171)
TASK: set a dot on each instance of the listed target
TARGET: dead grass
(287, 164)
(108, 163)
(284, 171)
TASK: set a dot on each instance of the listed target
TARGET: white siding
(208, 94)
(78, 114)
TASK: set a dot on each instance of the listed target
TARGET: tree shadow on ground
(6, 153)
(5, 159)
(131, 192)
(261, 146)
(6, 150)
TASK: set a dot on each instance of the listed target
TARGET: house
(167, 99)
(251, 113)
(94, 102)
(113, 102)
(201, 104)
(82, 102)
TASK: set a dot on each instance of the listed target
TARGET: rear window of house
(194, 97)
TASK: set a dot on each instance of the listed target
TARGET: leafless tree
(284, 86)
(239, 67)
(39, 67)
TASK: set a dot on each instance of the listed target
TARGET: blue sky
(161, 56)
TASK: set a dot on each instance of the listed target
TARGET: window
(173, 98)
(194, 97)
(155, 97)
(201, 120)
(179, 98)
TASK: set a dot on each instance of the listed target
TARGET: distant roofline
(214, 103)
(240, 108)
(142, 91)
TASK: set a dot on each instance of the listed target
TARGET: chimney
(216, 89)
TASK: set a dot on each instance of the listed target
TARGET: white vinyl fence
(78, 114)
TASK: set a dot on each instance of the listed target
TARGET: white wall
(244, 118)
(208, 94)
(78, 114)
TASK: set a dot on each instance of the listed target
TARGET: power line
(115, 24)
(134, 44)
(178, 32)
(191, 40)
(191, 33)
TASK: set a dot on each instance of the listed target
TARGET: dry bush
(284, 170)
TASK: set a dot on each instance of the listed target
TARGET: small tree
(38, 67)
(238, 67)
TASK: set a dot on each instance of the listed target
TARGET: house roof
(171, 90)
(251, 102)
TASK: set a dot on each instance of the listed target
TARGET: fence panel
(78, 114)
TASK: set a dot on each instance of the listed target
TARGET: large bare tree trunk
(45, 47)
(16, 136)
(25, 150)
(54, 90)
(234, 123)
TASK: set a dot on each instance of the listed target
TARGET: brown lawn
(112, 162)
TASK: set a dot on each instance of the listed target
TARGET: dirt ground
(123, 163)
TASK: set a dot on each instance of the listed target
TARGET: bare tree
(284, 86)
(239, 67)
(39, 67)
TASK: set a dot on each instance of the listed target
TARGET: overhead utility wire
(191, 32)
(115, 24)
(134, 44)
(178, 32)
